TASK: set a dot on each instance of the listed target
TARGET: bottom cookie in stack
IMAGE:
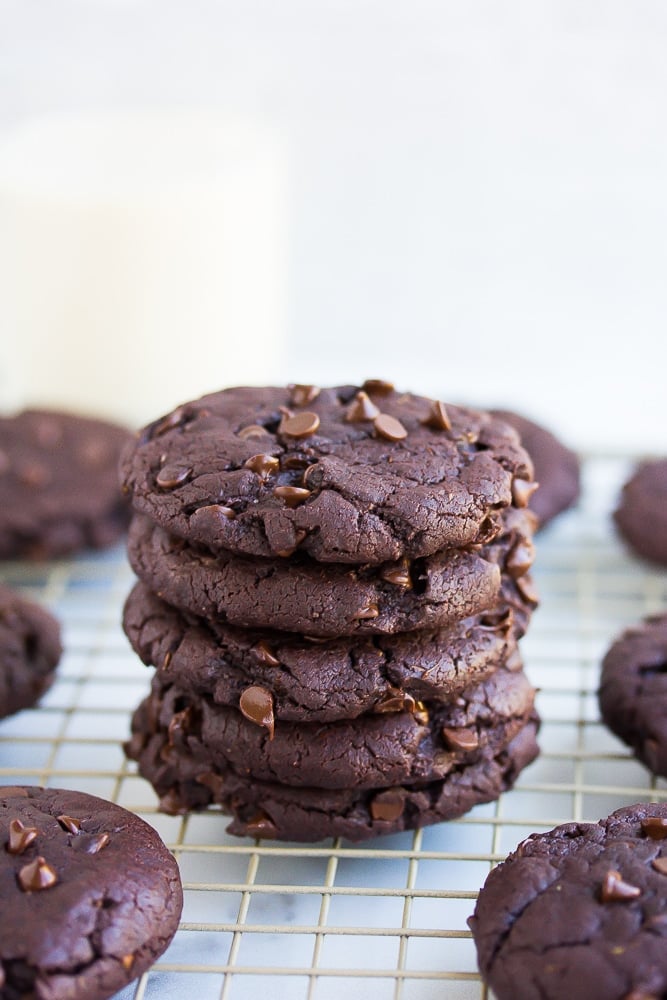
(401, 763)
(185, 779)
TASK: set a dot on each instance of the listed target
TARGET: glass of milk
(142, 261)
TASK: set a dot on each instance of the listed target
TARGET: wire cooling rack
(386, 919)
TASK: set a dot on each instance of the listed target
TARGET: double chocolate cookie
(641, 517)
(317, 681)
(90, 895)
(579, 912)
(332, 586)
(633, 691)
(29, 651)
(186, 779)
(300, 595)
(423, 743)
(59, 488)
(346, 475)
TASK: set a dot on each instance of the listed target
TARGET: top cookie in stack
(336, 516)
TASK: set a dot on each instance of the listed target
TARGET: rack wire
(385, 919)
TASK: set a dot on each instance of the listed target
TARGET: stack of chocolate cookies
(332, 584)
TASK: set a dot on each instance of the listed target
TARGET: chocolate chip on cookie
(90, 895)
(389, 474)
(578, 912)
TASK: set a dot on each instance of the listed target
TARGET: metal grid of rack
(386, 919)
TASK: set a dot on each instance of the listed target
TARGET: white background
(478, 199)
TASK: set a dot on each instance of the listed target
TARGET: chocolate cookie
(29, 651)
(59, 484)
(556, 468)
(186, 780)
(90, 895)
(317, 681)
(373, 751)
(641, 517)
(633, 691)
(579, 912)
(300, 595)
(359, 475)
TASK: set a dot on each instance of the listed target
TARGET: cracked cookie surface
(373, 751)
(90, 895)
(579, 912)
(353, 474)
(318, 681)
(187, 779)
(301, 595)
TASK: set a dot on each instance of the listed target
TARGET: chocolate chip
(294, 461)
(69, 823)
(520, 558)
(368, 612)
(614, 889)
(378, 386)
(253, 431)
(260, 826)
(499, 621)
(263, 465)
(179, 723)
(468, 437)
(399, 576)
(20, 836)
(37, 875)
(396, 701)
(660, 865)
(312, 476)
(298, 538)
(90, 843)
(421, 713)
(292, 495)
(387, 806)
(655, 827)
(256, 703)
(438, 418)
(172, 476)
(522, 491)
(212, 781)
(460, 739)
(168, 423)
(264, 655)
(301, 395)
(300, 425)
(527, 590)
(361, 409)
(389, 427)
(212, 516)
